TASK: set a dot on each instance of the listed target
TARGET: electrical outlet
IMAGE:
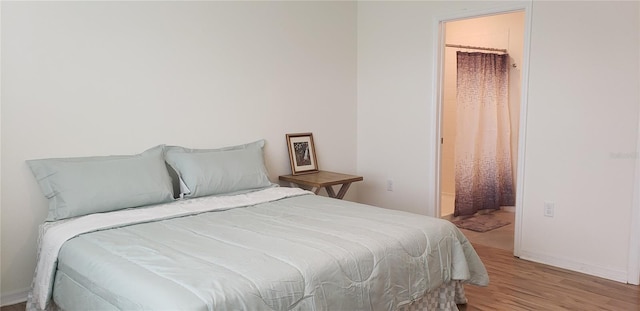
(389, 184)
(549, 208)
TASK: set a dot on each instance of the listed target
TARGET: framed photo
(302, 153)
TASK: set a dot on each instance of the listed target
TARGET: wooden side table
(323, 179)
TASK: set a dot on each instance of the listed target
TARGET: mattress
(275, 249)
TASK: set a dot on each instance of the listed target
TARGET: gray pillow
(206, 172)
(82, 186)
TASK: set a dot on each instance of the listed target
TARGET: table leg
(330, 191)
(343, 190)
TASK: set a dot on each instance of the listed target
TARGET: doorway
(497, 33)
(485, 34)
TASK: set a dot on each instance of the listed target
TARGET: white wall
(103, 78)
(582, 114)
(581, 130)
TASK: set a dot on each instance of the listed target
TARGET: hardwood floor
(16, 307)
(517, 284)
(501, 238)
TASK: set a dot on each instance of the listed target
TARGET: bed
(232, 242)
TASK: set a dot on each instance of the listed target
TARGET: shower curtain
(483, 172)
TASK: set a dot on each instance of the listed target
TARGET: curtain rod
(474, 48)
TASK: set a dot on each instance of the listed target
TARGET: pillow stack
(87, 185)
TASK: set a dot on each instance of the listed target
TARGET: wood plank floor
(517, 284)
(498, 238)
(16, 307)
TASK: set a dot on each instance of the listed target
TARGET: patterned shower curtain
(483, 134)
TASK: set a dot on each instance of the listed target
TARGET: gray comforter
(304, 252)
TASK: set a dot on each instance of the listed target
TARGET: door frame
(633, 266)
(436, 114)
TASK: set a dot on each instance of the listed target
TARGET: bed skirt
(444, 298)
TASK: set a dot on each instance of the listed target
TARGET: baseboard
(511, 209)
(11, 298)
(448, 194)
(602, 272)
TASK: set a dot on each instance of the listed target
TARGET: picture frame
(302, 153)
